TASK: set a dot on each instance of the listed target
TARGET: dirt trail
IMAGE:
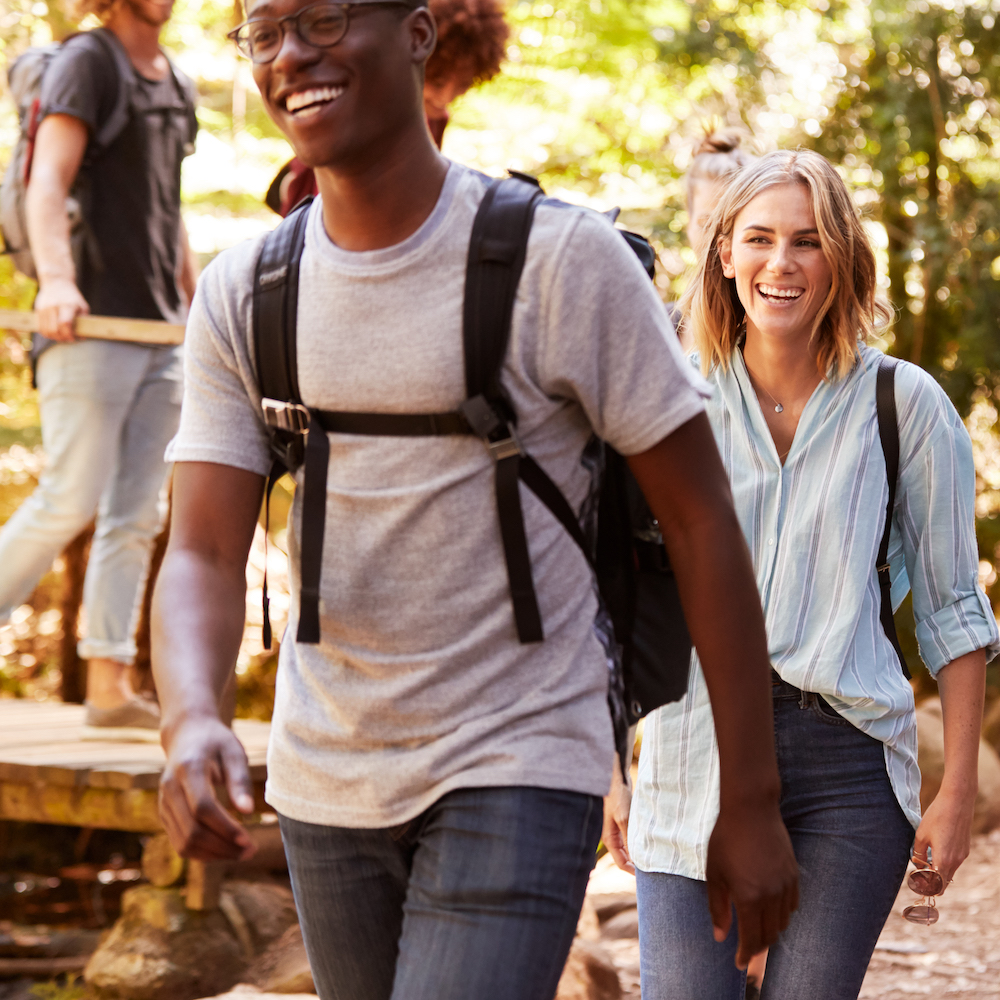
(959, 956)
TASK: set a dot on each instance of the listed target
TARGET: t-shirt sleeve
(220, 415)
(608, 342)
(80, 82)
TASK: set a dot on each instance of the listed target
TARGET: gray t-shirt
(420, 685)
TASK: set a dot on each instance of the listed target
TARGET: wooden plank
(143, 331)
(105, 808)
(11, 967)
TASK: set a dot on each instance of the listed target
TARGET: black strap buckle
(290, 417)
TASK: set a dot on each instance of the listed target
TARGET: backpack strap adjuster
(507, 447)
(284, 416)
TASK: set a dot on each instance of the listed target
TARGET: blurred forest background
(603, 100)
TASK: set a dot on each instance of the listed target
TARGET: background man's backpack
(25, 81)
(650, 646)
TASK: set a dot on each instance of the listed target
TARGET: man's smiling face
(340, 105)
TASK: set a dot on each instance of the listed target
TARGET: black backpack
(636, 584)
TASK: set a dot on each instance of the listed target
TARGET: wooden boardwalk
(48, 774)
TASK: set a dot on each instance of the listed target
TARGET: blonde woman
(782, 308)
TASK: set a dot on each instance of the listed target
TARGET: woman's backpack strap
(888, 432)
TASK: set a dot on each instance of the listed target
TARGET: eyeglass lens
(321, 25)
(922, 913)
(926, 882)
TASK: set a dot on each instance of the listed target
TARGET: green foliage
(71, 988)
(918, 124)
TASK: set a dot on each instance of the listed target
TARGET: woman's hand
(947, 830)
(617, 805)
(947, 824)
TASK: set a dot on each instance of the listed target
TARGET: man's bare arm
(750, 862)
(59, 147)
(197, 625)
(187, 265)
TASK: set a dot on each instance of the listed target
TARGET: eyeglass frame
(294, 18)
(925, 912)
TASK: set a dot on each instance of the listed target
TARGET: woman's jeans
(852, 842)
(478, 897)
(108, 412)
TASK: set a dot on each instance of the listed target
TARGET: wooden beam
(142, 331)
(132, 809)
(204, 884)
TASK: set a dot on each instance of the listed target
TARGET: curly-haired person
(471, 42)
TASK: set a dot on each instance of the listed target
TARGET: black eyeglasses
(321, 25)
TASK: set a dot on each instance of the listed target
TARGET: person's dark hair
(472, 40)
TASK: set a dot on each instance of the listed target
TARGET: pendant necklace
(778, 408)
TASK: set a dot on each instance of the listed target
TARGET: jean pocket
(821, 708)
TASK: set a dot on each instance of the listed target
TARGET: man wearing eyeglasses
(439, 784)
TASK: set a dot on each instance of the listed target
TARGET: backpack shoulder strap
(888, 432)
(275, 311)
(125, 75)
(497, 251)
(275, 307)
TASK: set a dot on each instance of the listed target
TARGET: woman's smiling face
(782, 275)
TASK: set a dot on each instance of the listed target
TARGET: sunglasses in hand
(928, 882)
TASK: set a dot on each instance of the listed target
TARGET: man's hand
(203, 753)
(57, 305)
(197, 625)
(617, 805)
(746, 872)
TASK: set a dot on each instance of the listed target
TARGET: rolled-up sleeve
(936, 517)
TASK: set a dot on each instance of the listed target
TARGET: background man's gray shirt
(420, 685)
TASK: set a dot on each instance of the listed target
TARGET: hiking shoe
(137, 721)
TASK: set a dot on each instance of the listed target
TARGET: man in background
(107, 409)
(472, 39)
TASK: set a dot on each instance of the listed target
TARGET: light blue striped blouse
(813, 527)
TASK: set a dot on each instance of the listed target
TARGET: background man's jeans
(108, 411)
(476, 898)
(852, 842)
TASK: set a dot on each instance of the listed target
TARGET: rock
(588, 926)
(930, 740)
(247, 992)
(160, 950)
(267, 907)
(284, 967)
(589, 974)
(624, 924)
(608, 904)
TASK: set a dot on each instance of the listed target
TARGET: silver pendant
(779, 408)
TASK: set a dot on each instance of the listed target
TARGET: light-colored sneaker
(137, 721)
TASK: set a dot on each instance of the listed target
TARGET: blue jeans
(851, 841)
(477, 897)
(108, 411)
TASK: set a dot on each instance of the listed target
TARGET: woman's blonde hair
(719, 154)
(852, 310)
